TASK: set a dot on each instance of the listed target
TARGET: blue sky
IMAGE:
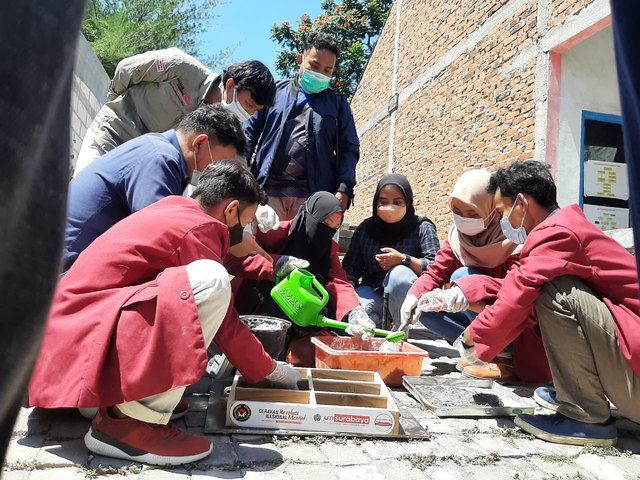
(247, 24)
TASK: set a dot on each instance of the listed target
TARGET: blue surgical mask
(313, 82)
(516, 235)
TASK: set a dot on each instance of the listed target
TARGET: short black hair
(322, 41)
(253, 76)
(228, 179)
(529, 177)
(218, 123)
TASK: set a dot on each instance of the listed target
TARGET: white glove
(284, 376)
(468, 354)
(454, 301)
(408, 312)
(358, 316)
(287, 264)
(358, 332)
(267, 218)
(431, 301)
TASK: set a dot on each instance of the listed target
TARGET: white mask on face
(234, 105)
(516, 235)
(471, 226)
(195, 176)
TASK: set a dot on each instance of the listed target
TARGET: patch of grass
(100, 470)
(485, 460)
(552, 457)
(22, 465)
(468, 433)
(421, 462)
(577, 476)
(609, 451)
(511, 433)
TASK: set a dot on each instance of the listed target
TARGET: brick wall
(88, 94)
(467, 95)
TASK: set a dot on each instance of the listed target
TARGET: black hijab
(309, 238)
(388, 233)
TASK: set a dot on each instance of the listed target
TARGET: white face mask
(516, 235)
(195, 176)
(234, 105)
(468, 226)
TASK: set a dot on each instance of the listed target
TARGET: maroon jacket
(564, 244)
(342, 296)
(124, 324)
(529, 356)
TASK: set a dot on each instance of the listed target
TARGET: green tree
(118, 29)
(356, 24)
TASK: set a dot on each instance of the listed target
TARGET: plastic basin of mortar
(270, 331)
(347, 353)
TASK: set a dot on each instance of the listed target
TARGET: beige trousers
(212, 292)
(89, 152)
(286, 207)
(579, 335)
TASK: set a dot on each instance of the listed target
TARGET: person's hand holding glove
(287, 264)
(267, 218)
(284, 376)
(358, 321)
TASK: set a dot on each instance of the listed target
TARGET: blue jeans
(396, 284)
(451, 325)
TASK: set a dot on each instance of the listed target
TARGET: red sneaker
(142, 442)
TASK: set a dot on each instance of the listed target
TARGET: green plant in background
(355, 23)
(118, 29)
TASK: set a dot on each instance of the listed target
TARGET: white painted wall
(589, 82)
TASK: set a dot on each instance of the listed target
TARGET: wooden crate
(337, 401)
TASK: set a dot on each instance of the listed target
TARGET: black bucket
(271, 331)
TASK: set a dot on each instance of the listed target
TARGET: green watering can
(302, 298)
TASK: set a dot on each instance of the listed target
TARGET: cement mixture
(447, 396)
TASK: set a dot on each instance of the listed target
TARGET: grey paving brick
(497, 444)
(158, 473)
(195, 419)
(628, 464)
(21, 427)
(15, 475)
(311, 472)
(198, 403)
(561, 468)
(68, 452)
(484, 472)
(348, 454)
(303, 452)
(69, 426)
(398, 470)
(267, 472)
(201, 386)
(248, 438)
(223, 451)
(447, 426)
(34, 421)
(454, 445)
(426, 448)
(24, 449)
(600, 467)
(68, 473)
(98, 460)
(359, 472)
(523, 468)
(445, 471)
(385, 449)
(250, 453)
(216, 473)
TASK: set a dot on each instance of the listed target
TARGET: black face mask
(236, 232)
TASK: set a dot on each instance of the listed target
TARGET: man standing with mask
(153, 91)
(131, 321)
(307, 141)
(145, 170)
(584, 288)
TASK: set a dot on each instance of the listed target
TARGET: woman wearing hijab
(473, 261)
(389, 250)
(307, 237)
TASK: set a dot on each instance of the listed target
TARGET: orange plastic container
(348, 353)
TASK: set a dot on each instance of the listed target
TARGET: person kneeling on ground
(131, 321)
(304, 242)
(389, 250)
(584, 286)
(474, 260)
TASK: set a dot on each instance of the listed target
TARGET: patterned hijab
(490, 247)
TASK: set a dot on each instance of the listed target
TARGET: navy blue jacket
(333, 168)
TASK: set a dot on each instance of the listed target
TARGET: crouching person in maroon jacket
(131, 321)
(584, 287)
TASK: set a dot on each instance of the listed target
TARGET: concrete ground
(49, 445)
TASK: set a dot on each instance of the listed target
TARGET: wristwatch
(407, 261)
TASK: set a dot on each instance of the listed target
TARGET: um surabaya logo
(351, 419)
